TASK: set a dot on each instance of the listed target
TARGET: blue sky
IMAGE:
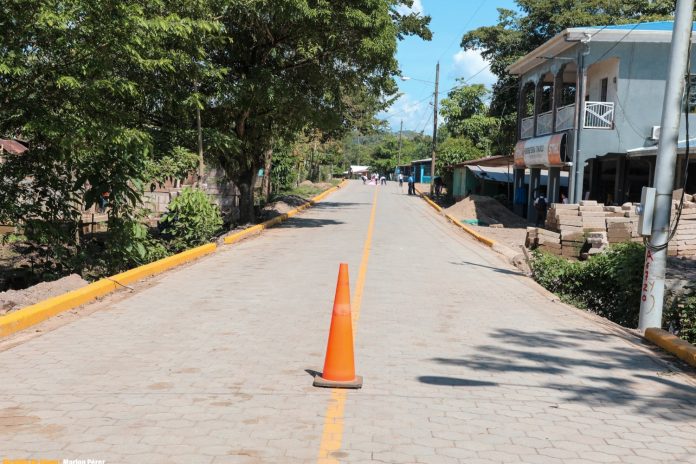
(417, 58)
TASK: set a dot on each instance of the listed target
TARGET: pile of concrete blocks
(544, 240)
(598, 242)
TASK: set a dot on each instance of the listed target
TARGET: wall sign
(544, 151)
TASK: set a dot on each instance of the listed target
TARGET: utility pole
(653, 290)
(201, 164)
(432, 162)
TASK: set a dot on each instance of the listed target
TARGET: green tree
(98, 90)
(466, 115)
(453, 150)
(292, 65)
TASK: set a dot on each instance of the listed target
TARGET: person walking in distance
(540, 205)
(401, 180)
(411, 186)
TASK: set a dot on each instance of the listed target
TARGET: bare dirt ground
(12, 300)
(281, 206)
(486, 210)
(495, 220)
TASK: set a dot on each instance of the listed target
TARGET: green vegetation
(680, 317)
(106, 95)
(192, 220)
(609, 285)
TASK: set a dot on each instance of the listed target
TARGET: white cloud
(416, 114)
(469, 62)
(416, 8)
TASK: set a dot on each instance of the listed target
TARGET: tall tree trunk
(266, 181)
(245, 182)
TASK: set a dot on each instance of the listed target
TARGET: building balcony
(545, 123)
(527, 127)
(565, 117)
(598, 115)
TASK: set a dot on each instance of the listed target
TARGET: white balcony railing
(527, 128)
(565, 116)
(599, 115)
(545, 123)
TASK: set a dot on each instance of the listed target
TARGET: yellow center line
(332, 435)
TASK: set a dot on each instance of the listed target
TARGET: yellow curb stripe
(673, 344)
(332, 434)
(472, 232)
(32, 315)
(39, 312)
(258, 228)
(481, 238)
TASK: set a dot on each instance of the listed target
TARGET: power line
(403, 112)
(465, 27)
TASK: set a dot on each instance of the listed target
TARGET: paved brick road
(464, 361)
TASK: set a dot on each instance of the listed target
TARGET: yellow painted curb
(673, 344)
(429, 201)
(32, 315)
(258, 228)
(472, 232)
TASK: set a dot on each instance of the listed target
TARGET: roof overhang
(490, 161)
(567, 39)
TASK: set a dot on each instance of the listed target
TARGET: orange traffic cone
(339, 366)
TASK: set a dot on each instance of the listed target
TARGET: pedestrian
(383, 180)
(411, 186)
(438, 185)
(364, 178)
(540, 205)
(564, 199)
(401, 180)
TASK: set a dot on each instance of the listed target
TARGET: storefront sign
(541, 151)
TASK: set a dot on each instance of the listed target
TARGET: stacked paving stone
(543, 239)
(569, 228)
(598, 242)
(684, 242)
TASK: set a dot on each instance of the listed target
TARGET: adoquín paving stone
(464, 360)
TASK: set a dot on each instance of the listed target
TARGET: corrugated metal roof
(648, 26)
(12, 146)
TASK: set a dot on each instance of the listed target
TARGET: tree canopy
(104, 93)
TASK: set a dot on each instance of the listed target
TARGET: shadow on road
(335, 204)
(305, 223)
(453, 381)
(569, 361)
(496, 269)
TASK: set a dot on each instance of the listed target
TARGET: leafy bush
(129, 244)
(680, 318)
(191, 220)
(608, 284)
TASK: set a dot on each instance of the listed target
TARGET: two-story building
(590, 102)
